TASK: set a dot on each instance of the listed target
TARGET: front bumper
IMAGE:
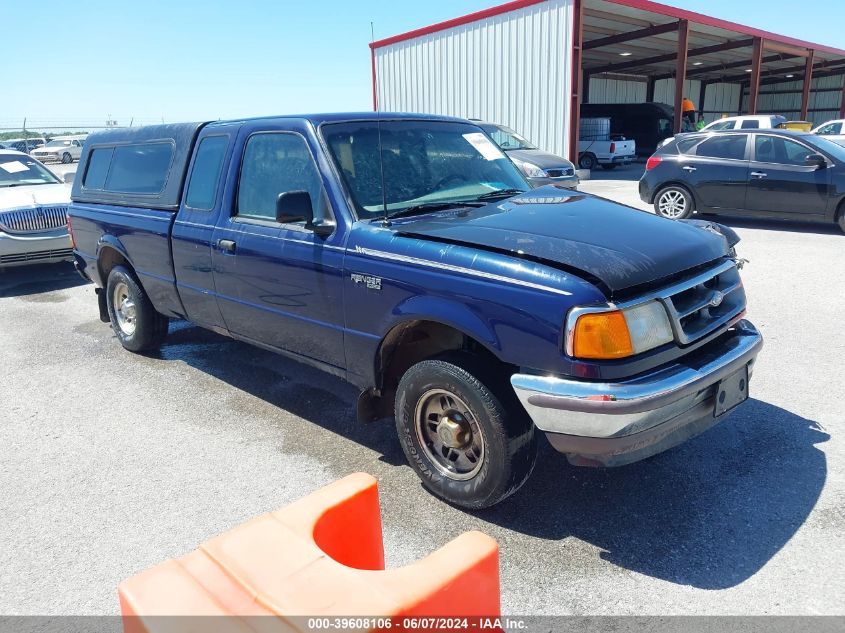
(42, 248)
(48, 158)
(612, 424)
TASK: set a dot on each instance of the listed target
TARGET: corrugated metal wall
(514, 68)
(789, 105)
(615, 90)
(719, 98)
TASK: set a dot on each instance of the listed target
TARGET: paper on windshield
(484, 146)
(14, 166)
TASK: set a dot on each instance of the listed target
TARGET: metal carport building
(530, 64)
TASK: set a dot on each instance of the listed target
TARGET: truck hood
(13, 197)
(614, 246)
(542, 159)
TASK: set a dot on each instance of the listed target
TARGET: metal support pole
(756, 69)
(681, 73)
(649, 90)
(842, 100)
(808, 85)
(577, 79)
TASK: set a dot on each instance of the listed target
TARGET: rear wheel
(469, 446)
(674, 203)
(587, 161)
(136, 323)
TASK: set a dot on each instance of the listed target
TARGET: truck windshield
(425, 163)
(16, 171)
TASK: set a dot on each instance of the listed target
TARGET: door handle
(689, 168)
(759, 174)
(227, 246)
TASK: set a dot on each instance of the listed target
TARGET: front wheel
(674, 203)
(66, 158)
(841, 219)
(469, 446)
(136, 323)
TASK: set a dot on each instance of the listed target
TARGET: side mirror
(296, 206)
(816, 160)
(69, 177)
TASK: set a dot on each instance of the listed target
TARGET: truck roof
(181, 138)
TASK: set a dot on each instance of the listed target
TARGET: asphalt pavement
(111, 462)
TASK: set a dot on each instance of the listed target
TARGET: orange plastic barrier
(320, 556)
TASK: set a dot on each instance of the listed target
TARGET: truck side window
(205, 175)
(274, 163)
(98, 168)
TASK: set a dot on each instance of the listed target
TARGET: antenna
(385, 220)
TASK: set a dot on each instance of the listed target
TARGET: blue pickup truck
(408, 255)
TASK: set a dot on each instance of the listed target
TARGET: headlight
(610, 334)
(530, 169)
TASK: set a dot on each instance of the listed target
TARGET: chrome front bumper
(35, 248)
(612, 424)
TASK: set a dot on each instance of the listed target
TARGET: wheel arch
(111, 253)
(412, 340)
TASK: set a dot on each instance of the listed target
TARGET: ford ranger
(409, 256)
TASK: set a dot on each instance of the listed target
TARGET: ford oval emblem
(716, 299)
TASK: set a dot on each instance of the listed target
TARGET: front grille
(33, 219)
(36, 256)
(560, 173)
(705, 303)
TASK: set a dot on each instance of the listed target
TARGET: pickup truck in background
(409, 256)
(597, 146)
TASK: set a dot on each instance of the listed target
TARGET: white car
(746, 122)
(749, 122)
(833, 131)
(33, 212)
(65, 149)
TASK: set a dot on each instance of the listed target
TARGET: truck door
(278, 283)
(193, 229)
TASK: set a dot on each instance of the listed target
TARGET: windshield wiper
(427, 207)
(500, 193)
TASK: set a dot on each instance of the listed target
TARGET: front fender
(447, 312)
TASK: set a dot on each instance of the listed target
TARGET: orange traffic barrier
(321, 556)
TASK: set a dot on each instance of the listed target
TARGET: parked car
(646, 123)
(747, 122)
(408, 255)
(765, 173)
(541, 168)
(33, 212)
(24, 145)
(832, 131)
(64, 149)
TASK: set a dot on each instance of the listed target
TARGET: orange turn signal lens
(602, 335)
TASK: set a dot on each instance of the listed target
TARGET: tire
(66, 158)
(841, 218)
(458, 390)
(587, 161)
(609, 166)
(674, 203)
(135, 322)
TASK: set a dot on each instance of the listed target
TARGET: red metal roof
(643, 5)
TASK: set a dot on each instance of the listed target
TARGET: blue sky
(188, 59)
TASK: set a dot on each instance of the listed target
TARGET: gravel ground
(112, 462)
